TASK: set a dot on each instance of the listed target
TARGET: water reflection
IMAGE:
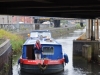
(60, 73)
(76, 65)
(86, 68)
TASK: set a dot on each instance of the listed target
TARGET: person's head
(38, 41)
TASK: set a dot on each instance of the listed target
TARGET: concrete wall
(44, 26)
(59, 32)
(77, 48)
(5, 58)
(56, 32)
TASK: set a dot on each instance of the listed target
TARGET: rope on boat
(42, 67)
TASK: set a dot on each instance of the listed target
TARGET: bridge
(52, 8)
(54, 20)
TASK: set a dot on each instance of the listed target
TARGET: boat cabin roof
(43, 33)
(31, 41)
(44, 36)
(40, 31)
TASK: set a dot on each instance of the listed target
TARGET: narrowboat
(52, 57)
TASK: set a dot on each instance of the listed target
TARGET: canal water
(76, 66)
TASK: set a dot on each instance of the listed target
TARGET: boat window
(48, 50)
(37, 34)
(46, 34)
(34, 34)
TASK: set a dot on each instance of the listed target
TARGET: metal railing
(22, 27)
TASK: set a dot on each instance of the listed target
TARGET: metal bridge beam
(92, 29)
(96, 26)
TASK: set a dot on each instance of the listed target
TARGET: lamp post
(17, 23)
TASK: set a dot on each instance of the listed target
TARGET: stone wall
(77, 48)
(5, 58)
(56, 32)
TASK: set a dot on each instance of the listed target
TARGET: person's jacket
(38, 49)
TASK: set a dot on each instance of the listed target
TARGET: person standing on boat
(38, 50)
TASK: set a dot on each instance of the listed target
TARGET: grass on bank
(16, 41)
(79, 26)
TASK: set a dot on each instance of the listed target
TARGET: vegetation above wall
(16, 41)
(78, 26)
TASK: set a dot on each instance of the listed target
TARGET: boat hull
(35, 69)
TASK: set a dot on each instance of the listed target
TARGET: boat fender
(42, 67)
(66, 58)
(18, 61)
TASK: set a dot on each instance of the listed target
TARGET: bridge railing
(22, 27)
(15, 27)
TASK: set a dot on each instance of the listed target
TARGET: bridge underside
(52, 8)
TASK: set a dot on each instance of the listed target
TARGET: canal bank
(59, 32)
(87, 48)
(56, 32)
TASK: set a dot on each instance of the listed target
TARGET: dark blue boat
(52, 58)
